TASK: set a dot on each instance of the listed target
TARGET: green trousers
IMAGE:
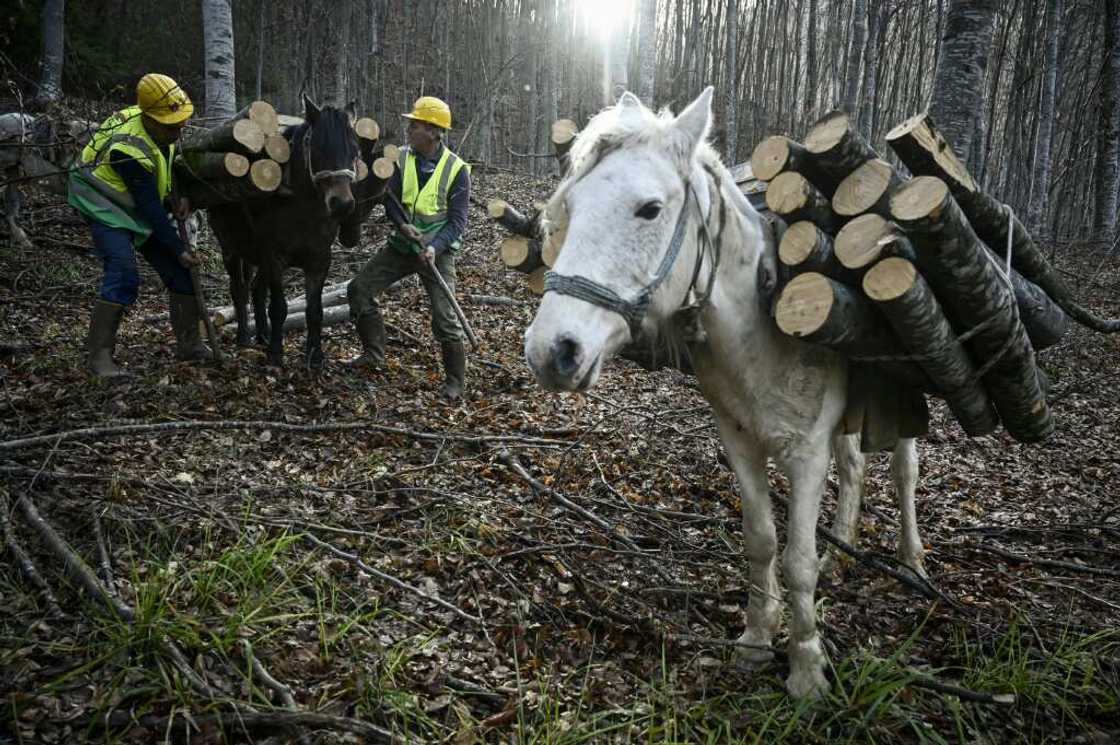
(389, 266)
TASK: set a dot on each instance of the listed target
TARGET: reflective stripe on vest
(428, 205)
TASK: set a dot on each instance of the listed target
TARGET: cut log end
(889, 279)
(864, 188)
(392, 152)
(918, 135)
(563, 131)
(770, 157)
(265, 117)
(367, 128)
(855, 243)
(918, 198)
(804, 305)
(383, 168)
(550, 251)
(798, 243)
(249, 135)
(827, 133)
(266, 174)
(236, 165)
(496, 208)
(276, 147)
(787, 193)
(514, 251)
(536, 281)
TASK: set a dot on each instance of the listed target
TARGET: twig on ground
(26, 566)
(1051, 563)
(104, 563)
(282, 691)
(964, 694)
(244, 720)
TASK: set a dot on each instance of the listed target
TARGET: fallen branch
(88, 433)
(26, 566)
(282, 691)
(1053, 563)
(399, 584)
(104, 563)
(241, 719)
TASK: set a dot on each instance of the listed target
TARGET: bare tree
(50, 77)
(1040, 189)
(732, 80)
(1108, 129)
(855, 57)
(958, 84)
(217, 40)
(647, 51)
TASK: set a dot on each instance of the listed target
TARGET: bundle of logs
(246, 156)
(923, 278)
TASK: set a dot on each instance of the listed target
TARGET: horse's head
(633, 204)
(328, 147)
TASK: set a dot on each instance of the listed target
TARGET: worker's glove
(187, 259)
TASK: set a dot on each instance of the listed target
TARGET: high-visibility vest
(98, 191)
(426, 208)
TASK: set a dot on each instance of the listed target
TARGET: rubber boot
(184, 323)
(454, 369)
(371, 333)
(104, 323)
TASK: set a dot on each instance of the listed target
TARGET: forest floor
(485, 607)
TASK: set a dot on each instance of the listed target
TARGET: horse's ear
(694, 121)
(311, 111)
(629, 99)
(352, 112)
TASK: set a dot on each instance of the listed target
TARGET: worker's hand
(409, 230)
(181, 208)
(187, 259)
(428, 256)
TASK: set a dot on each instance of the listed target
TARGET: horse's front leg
(904, 474)
(258, 288)
(277, 312)
(313, 290)
(808, 471)
(850, 466)
(760, 539)
(13, 200)
(239, 293)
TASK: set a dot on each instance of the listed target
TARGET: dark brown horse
(291, 231)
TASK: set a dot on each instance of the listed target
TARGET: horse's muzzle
(340, 206)
(557, 366)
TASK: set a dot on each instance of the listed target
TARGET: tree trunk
(647, 52)
(855, 58)
(838, 148)
(916, 317)
(870, 71)
(217, 35)
(793, 198)
(958, 87)
(1040, 196)
(521, 254)
(50, 73)
(732, 81)
(1108, 128)
(975, 297)
(509, 218)
(826, 312)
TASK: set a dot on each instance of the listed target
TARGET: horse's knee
(904, 466)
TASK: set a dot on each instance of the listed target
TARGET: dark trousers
(120, 281)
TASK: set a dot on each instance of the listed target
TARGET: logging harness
(324, 175)
(634, 311)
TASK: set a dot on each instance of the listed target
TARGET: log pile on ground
(910, 276)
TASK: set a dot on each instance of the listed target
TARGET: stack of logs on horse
(924, 280)
(279, 190)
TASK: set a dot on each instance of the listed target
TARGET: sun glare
(603, 17)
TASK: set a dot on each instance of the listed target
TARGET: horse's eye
(649, 210)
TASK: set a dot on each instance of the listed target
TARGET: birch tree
(50, 73)
(217, 41)
(1108, 128)
(1040, 191)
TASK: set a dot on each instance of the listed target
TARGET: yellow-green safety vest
(97, 190)
(426, 208)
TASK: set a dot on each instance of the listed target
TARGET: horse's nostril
(564, 357)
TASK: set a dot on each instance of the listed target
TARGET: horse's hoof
(807, 683)
(756, 651)
(315, 360)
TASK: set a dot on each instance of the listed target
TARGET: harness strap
(315, 176)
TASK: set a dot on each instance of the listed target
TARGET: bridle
(317, 176)
(634, 311)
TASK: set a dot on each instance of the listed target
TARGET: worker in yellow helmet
(430, 194)
(121, 185)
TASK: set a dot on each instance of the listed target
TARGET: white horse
(657, 232)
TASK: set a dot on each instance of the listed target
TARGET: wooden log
(777, 154)
(368, 191)
(976, 297)
(367, 129)
(806, 248)
(332, 316)
(206, 165)
(266, 174)
(924, 151)
(869, 238)
(866, 189)
(361, 170)
(793, 198)
(521, 254)
(509, 218)
(392, 152)
(287, 120)
(242, 136)
(1045, 321)
(263, 115)
(823, 311)
(837, 147)
(535, 280)
(553, 244)
(277, 147)
(214, 193)
(563, 136)
(912, 310)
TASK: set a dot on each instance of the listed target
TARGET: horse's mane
(333, 129)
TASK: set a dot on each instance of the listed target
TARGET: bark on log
(866, 189)
(521, 254)
(869, 238)
(777, 154)
(793, 198)
(237, 135)
(206, 165)
(214, 192)
(552, 245)
(266, 174)
(278, 148)
(823, 311)
(513, 221)
(837, 147)
(535, 280)
(924, 151)
(563, 137)
(975, 295)
(806, 248)
(914, 313)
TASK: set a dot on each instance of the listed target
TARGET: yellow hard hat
(431, 110)
(161, 98)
